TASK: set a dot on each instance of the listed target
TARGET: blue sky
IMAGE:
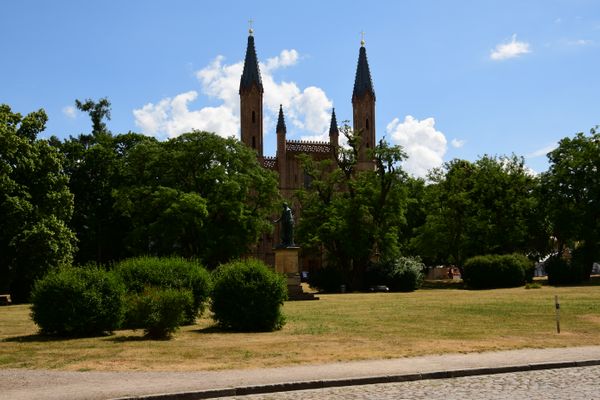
(452, 78)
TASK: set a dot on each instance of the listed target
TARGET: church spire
(251, 74)
(334, 132)
(333, 127)
(362, 82)
(363, 109)
(281, 121)
(251, 101)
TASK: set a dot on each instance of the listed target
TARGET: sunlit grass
(335, 328)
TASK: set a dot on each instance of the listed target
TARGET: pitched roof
(280, 121)
(251, 74)
(363, 83)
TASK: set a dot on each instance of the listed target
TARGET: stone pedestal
(286, 262)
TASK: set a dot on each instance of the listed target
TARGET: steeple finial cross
(362, 38)
(250, 30)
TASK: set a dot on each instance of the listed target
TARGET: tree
(35, 203)
(355, 216)
(94, 164)
(571, 193)
(97, 111)
(486, 207)
(197, 195)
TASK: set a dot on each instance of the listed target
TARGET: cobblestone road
(557, 384)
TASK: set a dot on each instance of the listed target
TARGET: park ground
(338, 327)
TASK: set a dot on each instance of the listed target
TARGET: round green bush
(401, 275)
(167, 273)
(160, 312)
(247, 296)
(406, 275)
(78, 302)
(496, 271)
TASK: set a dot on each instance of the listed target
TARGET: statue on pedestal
(287, 227)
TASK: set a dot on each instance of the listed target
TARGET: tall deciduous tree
(198, 195)
(571, 191)
(35, 203)
(356, 216)
(484, 207)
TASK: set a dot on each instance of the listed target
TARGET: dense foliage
(497, 271)
(571, 194)
(355, 216)
(247, 296)
(404, 274)
(197, 195)
(141, 273)
(564, 272)
(160, 312)
(486, 207)
(78, 302)
(35, 204)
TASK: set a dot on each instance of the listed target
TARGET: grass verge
(339, 327)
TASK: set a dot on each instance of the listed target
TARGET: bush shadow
(214, 329)
(443, 284)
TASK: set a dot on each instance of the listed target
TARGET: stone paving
(554, 384)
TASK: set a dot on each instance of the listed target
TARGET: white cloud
(541, 152)
(286, 58)
(457, 143)
(512, 49)
(172, 117)
(579, 42)
(70, 112)
(306, 109)
(424, 144)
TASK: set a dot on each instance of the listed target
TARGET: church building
(286, 163)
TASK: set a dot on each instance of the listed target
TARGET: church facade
(286, 163)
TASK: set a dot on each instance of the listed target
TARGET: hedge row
(157, 295)
(497, 271)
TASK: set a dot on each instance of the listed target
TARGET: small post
(557, 305)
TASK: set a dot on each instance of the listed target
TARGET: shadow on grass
(39, 338)
(213, 329)
(131, 338)
(442, 284)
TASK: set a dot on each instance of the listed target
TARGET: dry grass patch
(335, 328)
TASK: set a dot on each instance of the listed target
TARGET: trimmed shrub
(160, 312)
(247, 296)
(401, 275)
(78, 302)
(496, 271)
(563, 272)
(406, 274)
(167, 273)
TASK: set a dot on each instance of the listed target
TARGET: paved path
(552, 384)
(19, 384)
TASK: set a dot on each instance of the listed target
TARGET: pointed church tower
(334, 132)
(281, 149)
(363, 106)
(251, 100)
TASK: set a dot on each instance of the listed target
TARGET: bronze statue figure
(287, 227)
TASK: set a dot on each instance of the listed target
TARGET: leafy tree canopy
(571, 194)
(35, 203)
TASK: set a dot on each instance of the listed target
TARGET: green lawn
(335, 328)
